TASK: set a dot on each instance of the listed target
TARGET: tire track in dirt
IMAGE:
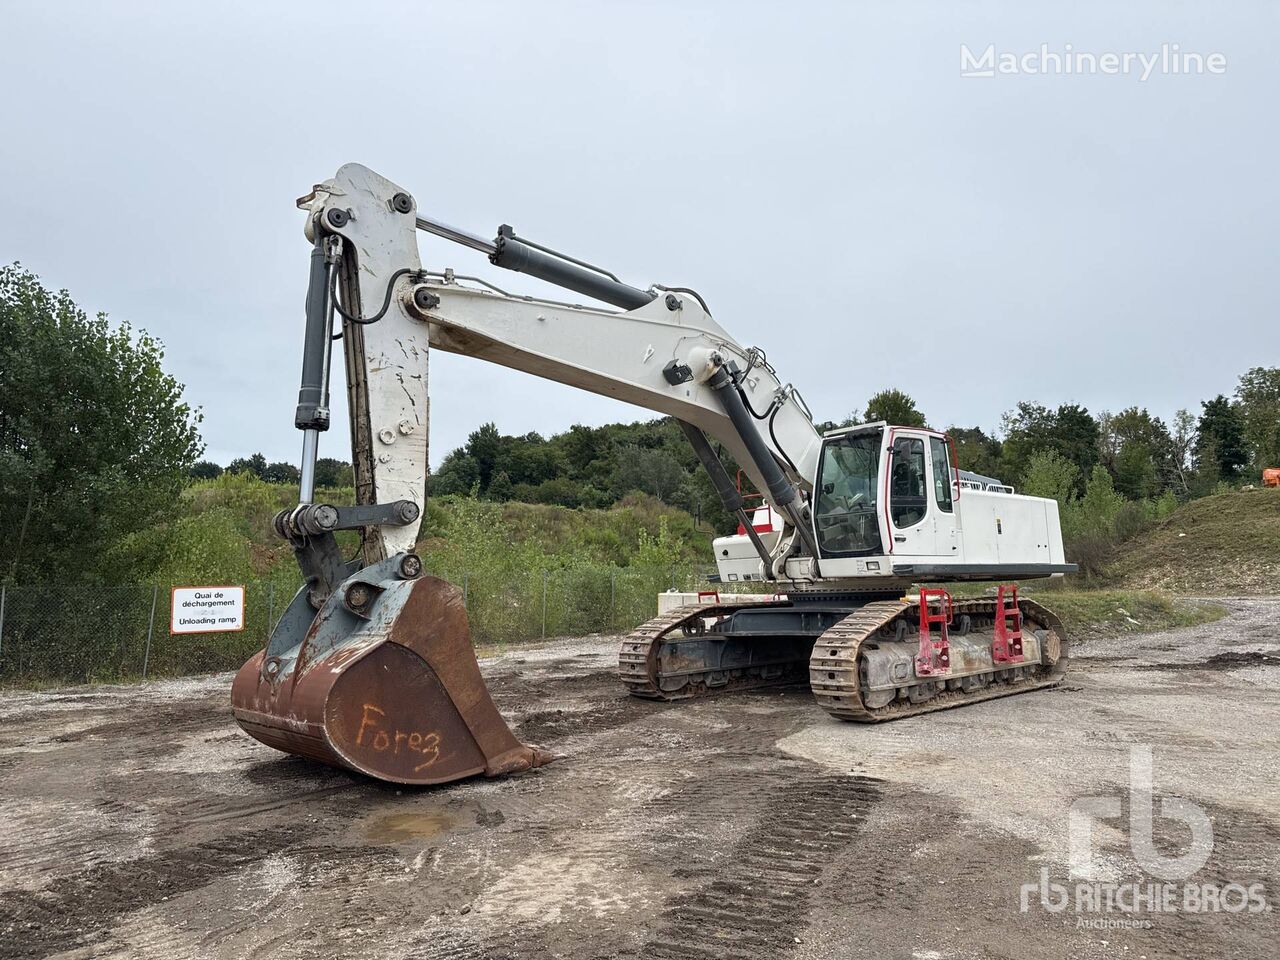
(72, 909)
(755, 898)
(709, 829)
(169, 721)
(39, 838)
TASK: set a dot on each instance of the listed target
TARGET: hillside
(222, 532)
(1222, 545)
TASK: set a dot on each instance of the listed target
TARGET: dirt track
(139, 821)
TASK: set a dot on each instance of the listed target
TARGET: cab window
(908, 502)
(845, 514)
(941, 473)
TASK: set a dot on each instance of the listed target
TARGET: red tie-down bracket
(934, 658)
(1006, 645)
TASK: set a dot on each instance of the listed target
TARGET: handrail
(989, 487)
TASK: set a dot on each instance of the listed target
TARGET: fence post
(544, 604)
(673, 576)
(466, 590)
(151, 625)
(271, 607)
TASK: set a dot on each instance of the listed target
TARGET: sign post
(151, 628)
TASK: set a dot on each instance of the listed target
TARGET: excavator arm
(372, 666)
(662, 350)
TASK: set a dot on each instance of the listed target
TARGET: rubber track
(841, 696)
(637, 659)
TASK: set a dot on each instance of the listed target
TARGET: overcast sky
(820, 172)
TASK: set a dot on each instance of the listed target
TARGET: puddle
(399, 827)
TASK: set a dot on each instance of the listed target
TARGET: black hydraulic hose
(774, 437)
(770, 414)
(691, 292)
(751, 410)
(386, 300)
(781, 490)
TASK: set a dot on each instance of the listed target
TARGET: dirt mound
(1224, 545)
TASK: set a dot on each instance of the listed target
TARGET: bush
(1094, 524)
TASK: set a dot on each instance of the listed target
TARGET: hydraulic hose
(781, 491)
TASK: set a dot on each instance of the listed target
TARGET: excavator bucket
(383, 681)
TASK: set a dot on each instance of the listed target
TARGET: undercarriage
(867, 658)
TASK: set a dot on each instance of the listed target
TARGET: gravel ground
(140, 822)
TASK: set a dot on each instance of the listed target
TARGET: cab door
(944, 487)
(911, 526)
(921, 482)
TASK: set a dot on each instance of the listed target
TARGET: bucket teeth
(395, 694)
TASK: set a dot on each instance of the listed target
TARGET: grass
(1227, 544)
(222, 532)
(1097, 614)
(1090, 614)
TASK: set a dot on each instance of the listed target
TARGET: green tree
(206, 470)
(1221, 448)
(484, 446)
(500, 487)
(1139, 451)
(1051, 475)
(1069, 431)
(560, 491)
(976, 451)
(256, 465)
(649, 471)
(458, 474)
(895, 407)
(281, 472)
(1182, 444)
(1091, 523)
(588, 467)
(96, 441)
(1258, 399)
(334, 473)
(1100, 505)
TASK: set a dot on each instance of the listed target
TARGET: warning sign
(207, 609)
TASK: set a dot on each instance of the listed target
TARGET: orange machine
(1271, 477)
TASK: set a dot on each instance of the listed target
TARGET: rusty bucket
(383, 681)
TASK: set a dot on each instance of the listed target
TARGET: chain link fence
(77, 633)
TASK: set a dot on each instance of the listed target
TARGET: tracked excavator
(372, 667)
